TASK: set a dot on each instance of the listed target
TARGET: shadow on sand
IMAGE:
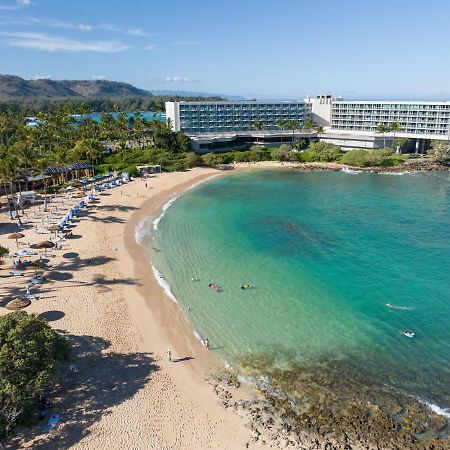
(100, 380)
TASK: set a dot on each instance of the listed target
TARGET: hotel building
(223, 117)
(417, 119)
(350, 124)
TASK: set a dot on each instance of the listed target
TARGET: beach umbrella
(16, 236)
(53, 228)
(45, 245)
(18, 303)
(35, 265)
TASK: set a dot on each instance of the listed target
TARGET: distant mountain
(13, 87)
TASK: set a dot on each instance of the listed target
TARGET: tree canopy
(29, 353)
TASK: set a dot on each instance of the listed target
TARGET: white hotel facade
(350, 124)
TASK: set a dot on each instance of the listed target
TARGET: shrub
(29, 352)
(193, 160)
(355, 158)
(282, 153)
(372, 158)
(258, 153)
(132, 170)
(212, 159)
(3, 251)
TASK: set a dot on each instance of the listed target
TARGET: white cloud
(138, 32)
(41, 77)
(23, 2)
(116, 29)
(44, 42)
(52, 23)
(150, 47)
(98, 77)
(177, 79)
(185, 43)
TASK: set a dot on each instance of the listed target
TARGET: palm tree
(382, 129)
(394, 127)
(122, 146)
(308, 124)
(88, 148)
(281, 124)
(8, 172)
(319, 129)
(292, 125)
(257, 125)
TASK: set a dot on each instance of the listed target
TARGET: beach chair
(52, 422)
(16, 273)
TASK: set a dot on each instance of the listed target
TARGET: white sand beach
(124, 393)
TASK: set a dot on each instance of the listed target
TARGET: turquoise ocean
(147, 115)
(325, 251)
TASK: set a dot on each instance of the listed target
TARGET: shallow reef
(341, 404)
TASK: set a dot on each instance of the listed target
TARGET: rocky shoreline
(322, 413)
(418, 166)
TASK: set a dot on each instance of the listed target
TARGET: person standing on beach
(169, 355)
(207, 344)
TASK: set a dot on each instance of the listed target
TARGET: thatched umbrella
(45, 245)
(18, 303)
(54, 228)
(16, 236)
(35, 265)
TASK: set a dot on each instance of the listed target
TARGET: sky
(393, 49)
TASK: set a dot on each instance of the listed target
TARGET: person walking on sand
(207, 344)
(169, 355)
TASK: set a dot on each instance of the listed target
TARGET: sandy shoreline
(125, 394)
(103, 294)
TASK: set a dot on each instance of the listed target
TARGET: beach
(123, 393)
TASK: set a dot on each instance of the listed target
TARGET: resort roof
(68, 168)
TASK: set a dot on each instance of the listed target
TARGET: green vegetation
(382, 129)
(394, 127)
(3, 251)
(440, 151)
(100, 104)
(60, 139)
(30, 351)
(315, 152)
(372, 158)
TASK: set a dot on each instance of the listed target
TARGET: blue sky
(255, 48)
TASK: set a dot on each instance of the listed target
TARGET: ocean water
(325, 251)
(147, 115)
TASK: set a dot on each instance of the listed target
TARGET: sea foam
(173, 199)
(435, 408)
(142, 230)
(164, 284)
(164, 209)
(350, 171)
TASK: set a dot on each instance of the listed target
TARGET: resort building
(417, 119)
(349, 124)
(223, 117)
